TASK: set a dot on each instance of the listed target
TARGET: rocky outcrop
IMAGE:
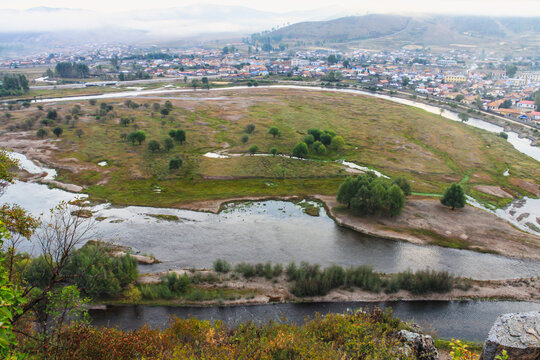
(517, 333)
(422, 346)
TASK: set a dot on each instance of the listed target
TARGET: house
(494, 105)
(526, 105)
(535, 115)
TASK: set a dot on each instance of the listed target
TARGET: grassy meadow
(430, 151)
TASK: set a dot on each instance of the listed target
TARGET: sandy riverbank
(277, 290)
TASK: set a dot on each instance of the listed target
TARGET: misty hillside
(426, 30)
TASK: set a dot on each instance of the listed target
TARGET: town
(506, 86)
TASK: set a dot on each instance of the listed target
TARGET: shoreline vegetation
(254, 284)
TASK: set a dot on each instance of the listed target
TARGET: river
(469, 320)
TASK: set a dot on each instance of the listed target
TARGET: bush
(247, 270)
(244, 139)
(41, 133)
(253, 149)
(172, 286)
(250, 128)
(154, 146)
(97, 274)
(425, 281)
(175, 163)
(222, 266)
(300, 150)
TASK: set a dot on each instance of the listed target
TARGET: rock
(517, 333)
(83, 213)
(141, 259)
(423, 346)
(63, 186)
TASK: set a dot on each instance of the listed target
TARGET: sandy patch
(493, 190)
(529, 186)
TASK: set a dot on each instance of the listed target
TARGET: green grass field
(430, 151)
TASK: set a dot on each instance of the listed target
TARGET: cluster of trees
(136, 136)
(369, 194)
(13, 85)
(137, 75)
(319, 141)
(68, 69)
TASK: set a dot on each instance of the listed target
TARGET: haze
(165, 18)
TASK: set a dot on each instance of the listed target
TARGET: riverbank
(232, 289)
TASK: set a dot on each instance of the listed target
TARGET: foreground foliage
(355, 336)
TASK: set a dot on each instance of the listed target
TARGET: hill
(421, 30)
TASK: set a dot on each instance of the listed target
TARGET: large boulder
(517, 333)
(422, 346)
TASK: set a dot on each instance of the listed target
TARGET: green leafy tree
(175, 163)
(454, 196)
(403, 185)
(459, 97)
(180, 136)
(244, 138)
(326, 138)
(347, 190)
(308, 139)
(316, 133)
(337, 143)
(253, 149)
(153, 145)
(168, 144)
(537, 100)
(463, 117)
(58, 131)
(41, 133)
(250, 128)
(137, 136)
(274, 131)
(300, 150)
(273, 151)
(396, 200)
(511, 70)
(52, 114)
(332, 59)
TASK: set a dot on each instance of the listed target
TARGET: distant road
(116, 83)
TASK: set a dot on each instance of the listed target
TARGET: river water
(469, 320)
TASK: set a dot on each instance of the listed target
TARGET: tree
(205, 83)
(507, 104)
(300, 150)
(165, 112)
(41, 133)
(124, 121)
(58, 131)
(273, 151)
(156, 107)
(337, 143)
(137, 136)
(319, 148)
(463, 117)
(326, 138)
(253, 149)
(175, 163)
(274, 131)
(308, 139)
(403, 185)
(52, 114)
(154, 146)
(250, 128)
(405, 81)
(79, 133)
(459, 97)
(194, 84)
(537, 100)
(454, 196)
(168, 144)
(347, 190)
(244, 139)
(180, 136)
(168, 105)
(511, 70)
(332, 59)
(396, 200)
(315, 132)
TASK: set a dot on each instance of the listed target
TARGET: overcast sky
(184, 18)
(477, 7)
